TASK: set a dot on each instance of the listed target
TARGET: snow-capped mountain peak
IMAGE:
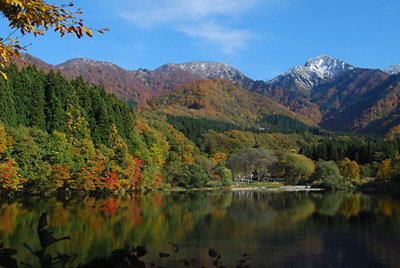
(313, 72)
(209, 70)
(394, 69)
(325, 66)
(78, 63)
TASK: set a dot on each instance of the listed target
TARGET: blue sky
(260, 38)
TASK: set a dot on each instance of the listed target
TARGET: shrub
(325, 169)
(333, 182)
(295, 167)
(195, 176)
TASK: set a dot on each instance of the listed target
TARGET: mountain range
(324, 91)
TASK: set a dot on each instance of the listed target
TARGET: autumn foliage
(37, 17)
(60, 136)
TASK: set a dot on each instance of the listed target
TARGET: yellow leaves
(8, 49)
(351, 206)
(102, 31)
(115, 139)
(385, 206)
(88, 32)
(36, 17)
(70, 29)
(384, 170)
(156, 154)
(219, 157)
(349, 169)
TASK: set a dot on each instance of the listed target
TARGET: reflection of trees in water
(328, 203)
(273, 210)
(251, 209)
(368, 225)
(223, 200)
(350, 206)
(98, 226)
(385, 205)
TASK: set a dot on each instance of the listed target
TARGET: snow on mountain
(313, 72)
(209, 70)
(394, 69)
(80, 63)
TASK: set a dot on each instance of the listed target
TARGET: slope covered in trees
(219, 100)
(60, 135)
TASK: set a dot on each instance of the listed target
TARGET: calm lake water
(278, 229)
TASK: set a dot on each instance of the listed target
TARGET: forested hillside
(60, 135)
(221, 100)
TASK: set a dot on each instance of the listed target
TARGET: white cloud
(207, 20)
(230, 40)
(151, 13)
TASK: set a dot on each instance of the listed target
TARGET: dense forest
(64, 136)
(60, 135)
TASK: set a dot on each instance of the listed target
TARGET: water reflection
(290, 229)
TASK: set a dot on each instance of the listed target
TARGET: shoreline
(290, 188)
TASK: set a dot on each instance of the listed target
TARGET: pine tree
(55, 115)
(99, 120)
(36, 115)
(8, 107)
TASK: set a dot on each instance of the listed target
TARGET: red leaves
(110, 206)
(111, 181)
(134, 173)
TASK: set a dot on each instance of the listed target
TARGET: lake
(278, 229)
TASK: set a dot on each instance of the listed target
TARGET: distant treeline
(195, 128)
(278, 123)
(362, 149)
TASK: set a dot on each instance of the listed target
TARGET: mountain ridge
(394, 69)
(26, 59)
(314, 72)
(324, 90)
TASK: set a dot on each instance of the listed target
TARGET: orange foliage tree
(384, 170)
(9, 177)
(59, 175)
(349, 170)
(89, 176)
